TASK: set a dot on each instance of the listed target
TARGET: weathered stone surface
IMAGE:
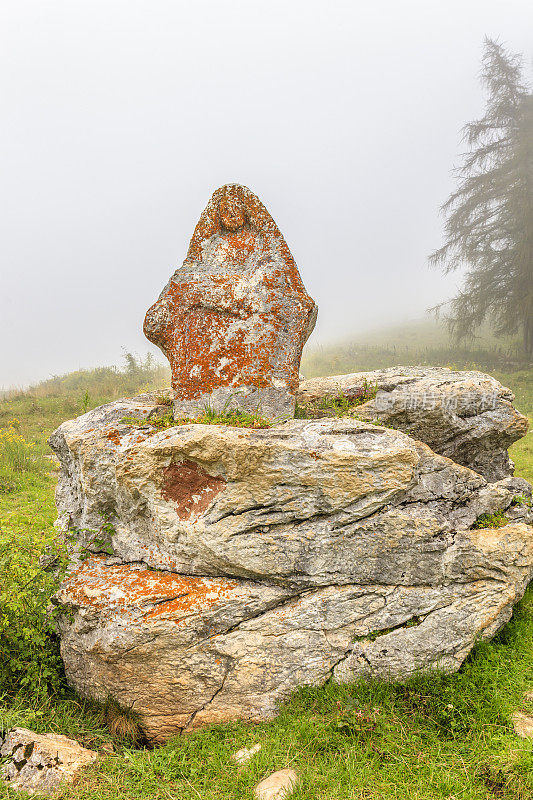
(233, 319)
(277, 786)
(41, 763)
(279, 504)
(249, 562)
(466, 416)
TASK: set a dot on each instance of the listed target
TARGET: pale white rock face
(39, 763)
(467, 416)
(249, 562)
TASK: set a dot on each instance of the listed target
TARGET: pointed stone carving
(233, 320)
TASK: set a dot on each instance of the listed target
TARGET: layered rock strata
(233, 319)
(249, 562)
(467, 416)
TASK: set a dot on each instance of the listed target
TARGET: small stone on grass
(244, 755)
(523, 725)
(277, 786)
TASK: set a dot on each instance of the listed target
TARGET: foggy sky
(120, 118)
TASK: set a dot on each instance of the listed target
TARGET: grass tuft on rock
(234, 419)
(496, 520)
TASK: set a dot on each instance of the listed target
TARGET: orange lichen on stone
(153, 595)
(113, 436)
(191, 487)
(236, 314)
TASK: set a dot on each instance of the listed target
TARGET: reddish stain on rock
(236, 314)
(191, 488)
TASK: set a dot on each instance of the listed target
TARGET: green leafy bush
(29, 653)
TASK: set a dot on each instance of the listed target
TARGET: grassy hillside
(423, 342)
(437, 737)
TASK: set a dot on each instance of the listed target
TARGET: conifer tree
(489, 218)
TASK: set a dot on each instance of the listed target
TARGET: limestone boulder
(40, 763)
(233, 319)
(243, 563)
(467, 416)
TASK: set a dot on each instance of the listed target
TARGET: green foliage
(489, 218)
(29, 655)
(236, 419)
(159, 422)
(86, 541)
(16, 454)
(164, 399)
(521, 500)
(496, 520)
(339, 405)
(85, 401)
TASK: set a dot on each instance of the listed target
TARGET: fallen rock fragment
(277, 786)
(244, 755)
(41, 763)
(523, 725)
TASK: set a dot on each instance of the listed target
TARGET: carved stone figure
(234, 318)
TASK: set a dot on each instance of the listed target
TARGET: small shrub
(520, 500)
(29, 654)
(496, 520)
(86, 399)
(164, 399)
(90, 542)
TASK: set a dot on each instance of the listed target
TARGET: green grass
(425, 342)
(208, 416)
(437, 737)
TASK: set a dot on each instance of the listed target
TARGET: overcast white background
(120, 117)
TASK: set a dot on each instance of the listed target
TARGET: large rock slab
(234, 318)
(249, 562)
(41, 763)
(467, 416)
